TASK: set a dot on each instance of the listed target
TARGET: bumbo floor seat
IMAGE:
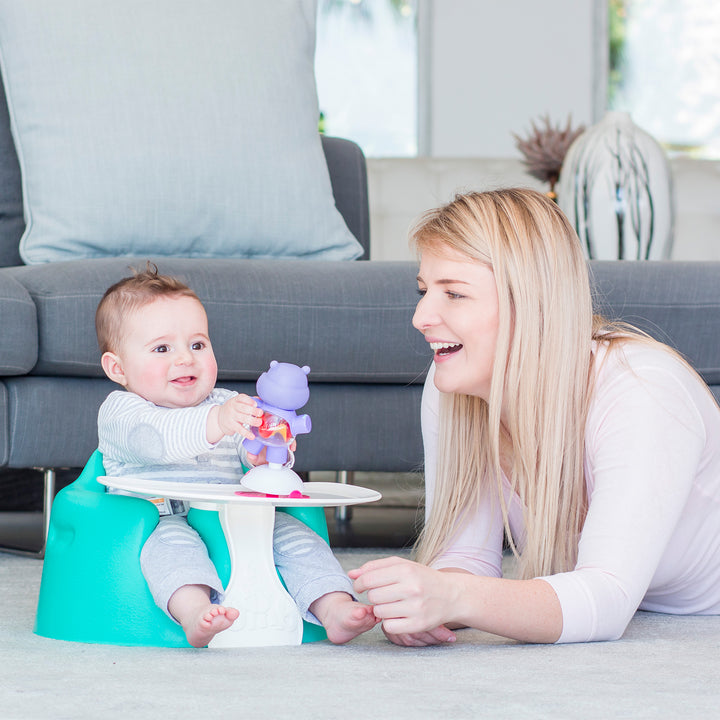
(92, 589)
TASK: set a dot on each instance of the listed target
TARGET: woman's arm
(413, 599)
(458, 585)
(645, 440)
(644, 443)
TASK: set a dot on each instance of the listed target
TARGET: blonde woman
(592, 448)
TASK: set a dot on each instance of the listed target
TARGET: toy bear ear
(305, 369)
(273, 363)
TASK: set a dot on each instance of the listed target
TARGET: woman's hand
(413, 601)
(419, 605)
(437, 636)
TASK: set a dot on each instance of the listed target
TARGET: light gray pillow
(170, 127)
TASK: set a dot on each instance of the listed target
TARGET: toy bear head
(284, 385)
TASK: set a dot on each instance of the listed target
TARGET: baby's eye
(161, 349)
(197, 345)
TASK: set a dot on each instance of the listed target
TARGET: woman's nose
(423, 316)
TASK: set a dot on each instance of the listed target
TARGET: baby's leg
(342, 617)
(173, 559)
(313, 576)
(200, 619)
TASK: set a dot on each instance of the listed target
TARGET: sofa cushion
(168, 128)
(19, 346)
(675, 302)
(355, 427)
(351, 322)
(4, 426)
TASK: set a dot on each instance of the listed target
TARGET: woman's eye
(421, 292)
(453, 295)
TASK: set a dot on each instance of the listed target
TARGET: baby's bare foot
(208, 624)
(342, 617)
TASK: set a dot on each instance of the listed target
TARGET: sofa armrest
(348, 175)
(19, 348)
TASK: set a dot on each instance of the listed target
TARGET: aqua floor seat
(92, 589)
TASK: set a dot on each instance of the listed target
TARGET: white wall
(402, 189)
(491, 66)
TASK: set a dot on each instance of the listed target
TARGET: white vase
(616, 189)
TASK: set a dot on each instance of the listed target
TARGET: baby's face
(166, 355)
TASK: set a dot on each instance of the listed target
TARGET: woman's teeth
(444, 347)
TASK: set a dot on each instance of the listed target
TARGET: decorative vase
(616, 189)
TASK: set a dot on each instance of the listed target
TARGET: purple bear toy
(282, 390)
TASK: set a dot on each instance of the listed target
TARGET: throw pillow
(171, 127)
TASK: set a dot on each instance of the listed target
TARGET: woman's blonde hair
(541, 376)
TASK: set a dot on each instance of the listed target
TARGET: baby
(171, 422)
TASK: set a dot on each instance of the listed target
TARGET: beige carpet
(664, 667)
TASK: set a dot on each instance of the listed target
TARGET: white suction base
(272, 479)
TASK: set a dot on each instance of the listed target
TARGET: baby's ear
(113, 368)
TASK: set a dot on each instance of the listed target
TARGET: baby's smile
(184, 380)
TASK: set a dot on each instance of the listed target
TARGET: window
(366, 70)
(665, 71)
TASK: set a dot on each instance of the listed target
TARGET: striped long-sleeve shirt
(137, 437)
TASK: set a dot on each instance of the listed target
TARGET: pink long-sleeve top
(651, 538)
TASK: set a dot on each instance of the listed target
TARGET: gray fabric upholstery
(676, 302)
(348, 175)
(5, 434)
(345, 160)
(346, 165)
(350, 321)
(52, 422)
(19, 346)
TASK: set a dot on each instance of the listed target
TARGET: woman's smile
(458, 315)
(442, 349)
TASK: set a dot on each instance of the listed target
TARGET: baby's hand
(234, 415)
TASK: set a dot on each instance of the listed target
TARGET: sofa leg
(343, 514)
(48, 497)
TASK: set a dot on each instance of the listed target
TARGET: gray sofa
(350, 321)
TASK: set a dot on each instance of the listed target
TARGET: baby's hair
(127, 296)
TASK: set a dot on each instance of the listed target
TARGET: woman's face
(458, 315)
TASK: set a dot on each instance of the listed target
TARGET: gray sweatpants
(175, 555)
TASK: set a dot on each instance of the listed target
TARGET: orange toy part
(274, 425)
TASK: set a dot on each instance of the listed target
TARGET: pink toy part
(294, 495)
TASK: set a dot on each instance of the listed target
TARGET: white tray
(324, 494)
